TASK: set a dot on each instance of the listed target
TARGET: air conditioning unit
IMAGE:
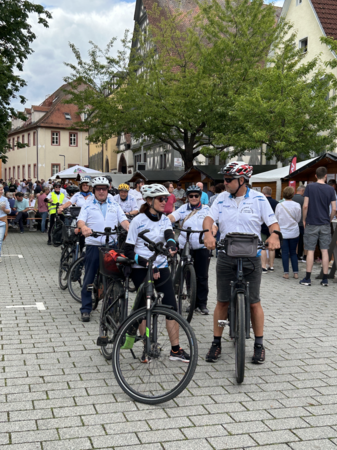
(141, 166)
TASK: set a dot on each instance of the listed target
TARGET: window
(34, 137)
(67, 116)
(161, 162)
(14, 171)
(28, 141)
(304, 45)
(73, 139)
(18, 139)
(55, 138)
(35, 171)
(13, 143)
(18, 168)
(6, 174)
(55, 168)
(9, 173)
(23, 139)
(138, 158)
(298, 2)
(144, 157)
(164, 163)
(29, 171)
(23, 171)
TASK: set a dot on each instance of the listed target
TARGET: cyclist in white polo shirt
(242, 210)
(126, 201)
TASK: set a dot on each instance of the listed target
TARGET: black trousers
(201, 259)
(52, 218)
(300, 242)
(163, 284)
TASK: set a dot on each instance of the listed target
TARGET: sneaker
(85, 317)
(214, 353)
(180, 355)
(303, 260)
(270, 269)
(306, 282)
(49, 243)
(145, 359)
(325, 282)
(204, 311)
(15, 227)
(259, 354)
(264, 270)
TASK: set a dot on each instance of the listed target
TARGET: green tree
(291, 108)
(16, 36)
(180, 84)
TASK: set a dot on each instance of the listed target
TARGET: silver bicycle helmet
(100, 181)
(153, 190)
(85, 180)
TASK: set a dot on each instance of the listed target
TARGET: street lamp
(64, 162)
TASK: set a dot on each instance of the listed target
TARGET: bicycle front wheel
(111, 316)
(75, 279)
(159, 379)
(64, 267)
(240, 338)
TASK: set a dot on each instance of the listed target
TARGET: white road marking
(39, 305)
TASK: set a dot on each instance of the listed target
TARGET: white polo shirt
(195, 223)
(138, 196)
(79, 200)
(94, 218)
(156, 234)
(247, 217)
(128, 205)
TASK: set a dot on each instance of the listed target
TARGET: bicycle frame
(239, 287)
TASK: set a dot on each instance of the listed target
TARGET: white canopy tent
(277, 175)
(72, 172)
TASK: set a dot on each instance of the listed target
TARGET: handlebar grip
(146, 239)
(201, 240)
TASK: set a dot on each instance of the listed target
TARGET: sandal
(286, 276)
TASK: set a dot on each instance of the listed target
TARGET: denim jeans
(289, 249)
(2, 233)
(44, 216)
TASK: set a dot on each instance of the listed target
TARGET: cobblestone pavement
(58, 392)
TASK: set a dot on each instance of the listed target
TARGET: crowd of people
(293, 226)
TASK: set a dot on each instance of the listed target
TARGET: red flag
(292, 169)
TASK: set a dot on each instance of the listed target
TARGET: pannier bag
(57, 234)
(241, 245)
(107, 261)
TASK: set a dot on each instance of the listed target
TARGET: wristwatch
(279, 234)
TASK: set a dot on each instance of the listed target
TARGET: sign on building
(178, 162)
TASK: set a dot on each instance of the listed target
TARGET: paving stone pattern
(58, 393)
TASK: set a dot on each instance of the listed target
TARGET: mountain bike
(185, 281)
(239, 246)
(144, 337)
(71, 246)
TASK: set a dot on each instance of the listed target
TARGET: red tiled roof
(326, 11)
(41, 108)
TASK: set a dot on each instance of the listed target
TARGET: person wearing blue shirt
(204, 196)
(98, 214)
(20, 210)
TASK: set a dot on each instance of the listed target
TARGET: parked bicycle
(185, 281)
(239, 246)
(147, 336)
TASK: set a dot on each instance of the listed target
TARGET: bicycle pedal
(102, 341)
(223, 323)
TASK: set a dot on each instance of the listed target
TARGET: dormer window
(304, 45)
(67, 116)
(299, 2)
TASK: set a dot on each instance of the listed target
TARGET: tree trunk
(188, 156)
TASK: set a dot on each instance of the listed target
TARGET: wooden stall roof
(153, 176)
(307, 172)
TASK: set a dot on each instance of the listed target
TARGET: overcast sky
(78, 22)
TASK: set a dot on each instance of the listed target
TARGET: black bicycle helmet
(71, 190)
(194, 189)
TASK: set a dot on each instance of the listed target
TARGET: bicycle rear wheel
(111, 317)
(65, 263)
(160, 379)
(75, 279)
(240, 338)
(187, 292)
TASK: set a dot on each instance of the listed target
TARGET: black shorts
(226, 272)
(163, 284)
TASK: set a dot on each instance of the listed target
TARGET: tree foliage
(16, 37)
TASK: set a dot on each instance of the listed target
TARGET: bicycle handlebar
(153, 247)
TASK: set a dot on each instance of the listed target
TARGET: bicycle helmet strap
(240, 185)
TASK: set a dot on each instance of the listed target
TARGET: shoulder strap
(191, 214)
(288, 212)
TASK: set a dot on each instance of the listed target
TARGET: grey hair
(1, 185)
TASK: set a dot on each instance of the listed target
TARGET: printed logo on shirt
(140, 226)
(247, 210)
(271, 215)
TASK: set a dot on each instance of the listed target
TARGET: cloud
(75, 21)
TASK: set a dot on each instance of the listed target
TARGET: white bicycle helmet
(237, 169)
(153, 190)
(100, 181)
(85, 180)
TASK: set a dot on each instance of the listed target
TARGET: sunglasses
(162, 199)
(101, 189)
(229, 180)
(194, 196)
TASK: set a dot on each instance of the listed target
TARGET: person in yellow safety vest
(56, 196)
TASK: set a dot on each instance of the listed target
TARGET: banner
(292, 169)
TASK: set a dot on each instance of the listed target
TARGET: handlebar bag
(241, 245)
(108, 264)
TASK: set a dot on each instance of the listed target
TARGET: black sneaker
(204, 310)
(270, 269)
(85, 317)
(180, 355)
(259, 354)
(306, 282)
(214, 353)
(325, 282)
(49, 243)
(264, 270)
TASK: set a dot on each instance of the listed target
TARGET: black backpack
(57, 233)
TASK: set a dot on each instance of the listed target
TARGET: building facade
(52, 142)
